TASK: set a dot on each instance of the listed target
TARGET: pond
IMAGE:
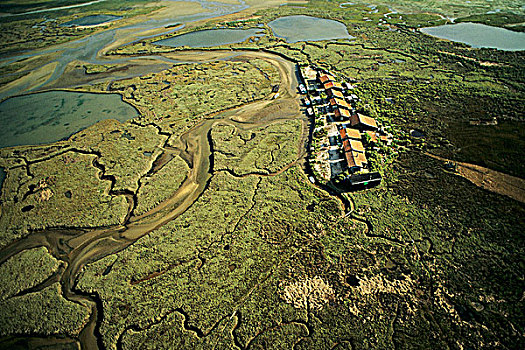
(210, 37)
(55, 115)
(417, 133)
(346, 4)
(92, 20)
(306, 28)
(479, 35)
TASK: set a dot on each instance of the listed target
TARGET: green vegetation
(94, 174)
(36, 33)
(176, 99)
(224, 256)
(33, 31)
(453, 8)
(36, 196)
(455, 239)
(98, 68)
(160, 185)
(506, 20)
(44, 312)
(125, 151)
(261, 258)
(262, 150)
(26, 270)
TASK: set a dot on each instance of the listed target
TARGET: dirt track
(491, 180)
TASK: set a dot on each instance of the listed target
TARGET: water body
(346, 4)
(52, 116)
(92, 20)
(86, 49)
(53, 9)
(479, 35)
(211, 37)
(306, 28)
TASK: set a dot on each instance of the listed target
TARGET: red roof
(346, 146)
(354, 159)
(350, 159)
(326, 78)
(343, 134)
(339, 102)
(333, 85)
(335, 93)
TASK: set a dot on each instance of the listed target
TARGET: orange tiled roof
(357, 146)
(342, 113)
(364, 120)
(353, 134)
(343, 134)
(360, 159)
(350, 160)
(326, 78)
(339, 102)
(335, 93)
(355, 159)
(346, 146)
(333, 85)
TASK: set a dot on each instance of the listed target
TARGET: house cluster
(332, 104)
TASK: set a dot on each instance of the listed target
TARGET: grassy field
(261, 151)
(262, 258)
(36, 196)
(33, 31)
(212, 263)
(45, 312)
(159, 186)
(26, 270)
(95, 174)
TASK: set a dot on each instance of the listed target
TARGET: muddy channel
(78, 247)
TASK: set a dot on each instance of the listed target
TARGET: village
(342, 137)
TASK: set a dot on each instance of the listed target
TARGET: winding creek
(90, 49)
(79, 247)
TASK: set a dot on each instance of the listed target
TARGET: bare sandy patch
(491, 180)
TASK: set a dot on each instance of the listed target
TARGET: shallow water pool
(55, 115)
(307, 28)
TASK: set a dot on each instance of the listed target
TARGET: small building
(337, 102)
(349, 134)
(361, 180)
(357, 146)
(346, 146)
(353, 134)
(326, 78)
(341, 113)
(343, 134)
(356, 161)
(363, 122)
(333, 85)
(335, 93)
